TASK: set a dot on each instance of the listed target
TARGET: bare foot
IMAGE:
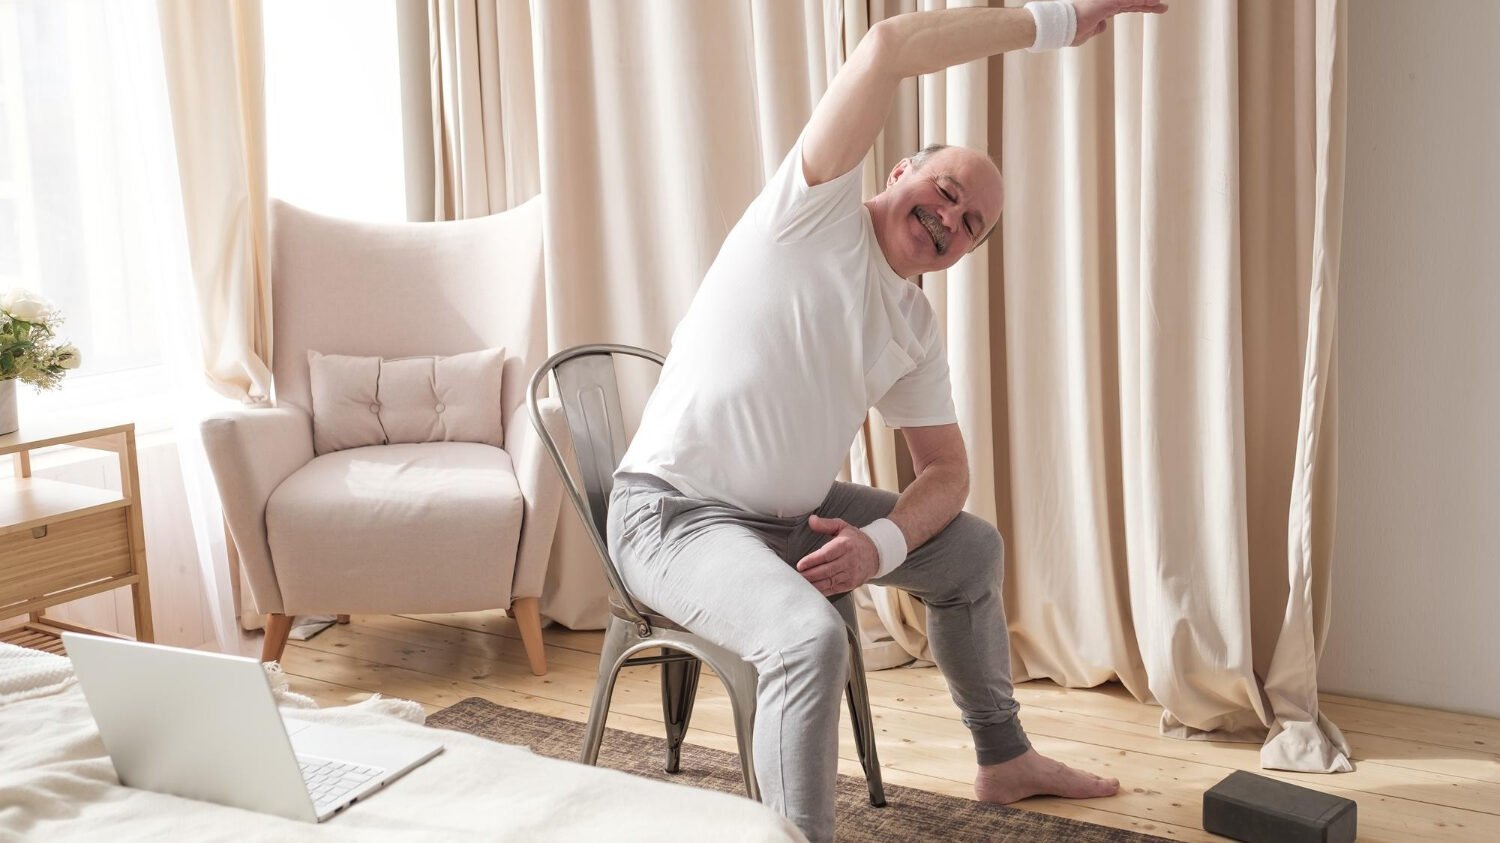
(1032, 775)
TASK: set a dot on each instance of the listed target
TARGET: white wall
(1416, 614)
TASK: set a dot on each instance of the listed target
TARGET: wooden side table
(63, 541)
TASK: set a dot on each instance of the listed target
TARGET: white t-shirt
(799, 328)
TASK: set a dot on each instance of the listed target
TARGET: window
(90, 204)
(88, 187)
(333, 107)
(90, 214)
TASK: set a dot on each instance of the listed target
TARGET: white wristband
(890, 542)
(1056, 24)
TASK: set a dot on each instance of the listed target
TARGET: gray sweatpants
(729, 576)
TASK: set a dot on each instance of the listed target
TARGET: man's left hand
(845, 563)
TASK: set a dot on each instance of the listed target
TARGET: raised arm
(849, 117)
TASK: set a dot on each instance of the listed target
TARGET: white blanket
(57, 783)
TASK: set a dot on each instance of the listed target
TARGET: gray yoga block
(1256, 809)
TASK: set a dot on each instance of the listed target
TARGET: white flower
(25, 305)
(69, 357)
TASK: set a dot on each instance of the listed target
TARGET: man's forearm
(852, 113)
(931, 502)
(917, 43)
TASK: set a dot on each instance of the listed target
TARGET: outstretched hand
(1094, 15)
(845, 563)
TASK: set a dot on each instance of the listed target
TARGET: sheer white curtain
(82, 159)
(100, 229)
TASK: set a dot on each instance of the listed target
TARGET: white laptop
(205, 726)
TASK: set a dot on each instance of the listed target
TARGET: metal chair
(588, 388)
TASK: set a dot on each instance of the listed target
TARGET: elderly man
(725, 514)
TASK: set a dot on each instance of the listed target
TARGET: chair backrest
(407, 289)
(588, 387)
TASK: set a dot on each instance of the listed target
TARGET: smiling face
(936, 210)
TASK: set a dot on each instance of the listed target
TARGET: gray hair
(920, 158)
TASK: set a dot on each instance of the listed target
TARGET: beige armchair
(432, 527)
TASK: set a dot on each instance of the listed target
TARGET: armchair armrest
(541, 494)
(250, 452)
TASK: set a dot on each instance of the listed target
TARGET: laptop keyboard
(329, 781)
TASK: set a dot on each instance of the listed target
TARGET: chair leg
(679, 686)
(858, 695)
(740, 680)
(278, 627)
(611, 656)
(528, 614)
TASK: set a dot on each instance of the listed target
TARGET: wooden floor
(1422, 775)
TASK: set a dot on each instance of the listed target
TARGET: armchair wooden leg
(277, 629)
(343, 618)
(528, 614)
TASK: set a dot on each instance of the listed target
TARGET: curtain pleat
(1301, 737)
(215, 67)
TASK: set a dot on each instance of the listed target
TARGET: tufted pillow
(361, 401)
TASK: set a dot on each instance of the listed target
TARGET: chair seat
(430, 527)
(655, 618)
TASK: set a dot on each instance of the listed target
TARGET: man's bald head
(938, 205)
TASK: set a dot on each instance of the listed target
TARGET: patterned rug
(911, 815)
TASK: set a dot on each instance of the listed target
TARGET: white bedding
(56, 783)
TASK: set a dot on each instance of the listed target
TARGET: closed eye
(968, 224)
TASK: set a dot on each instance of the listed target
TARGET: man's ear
(898, 171)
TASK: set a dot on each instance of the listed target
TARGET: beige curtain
(1142, 370)
(952, 108)
(681, 109)
(215, 62)
(1301, 737)
(1171, 259)
(214, 58)
(484, 133)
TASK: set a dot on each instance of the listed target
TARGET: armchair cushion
(359, 401)
(431, 527)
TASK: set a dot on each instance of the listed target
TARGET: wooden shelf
(30, 502)
(35, 636)
(45, 635)
(54, 430)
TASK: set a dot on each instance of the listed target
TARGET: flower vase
(9, 422)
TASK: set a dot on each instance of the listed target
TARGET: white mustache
(935, 229)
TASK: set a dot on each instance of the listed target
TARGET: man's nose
(952, 217)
